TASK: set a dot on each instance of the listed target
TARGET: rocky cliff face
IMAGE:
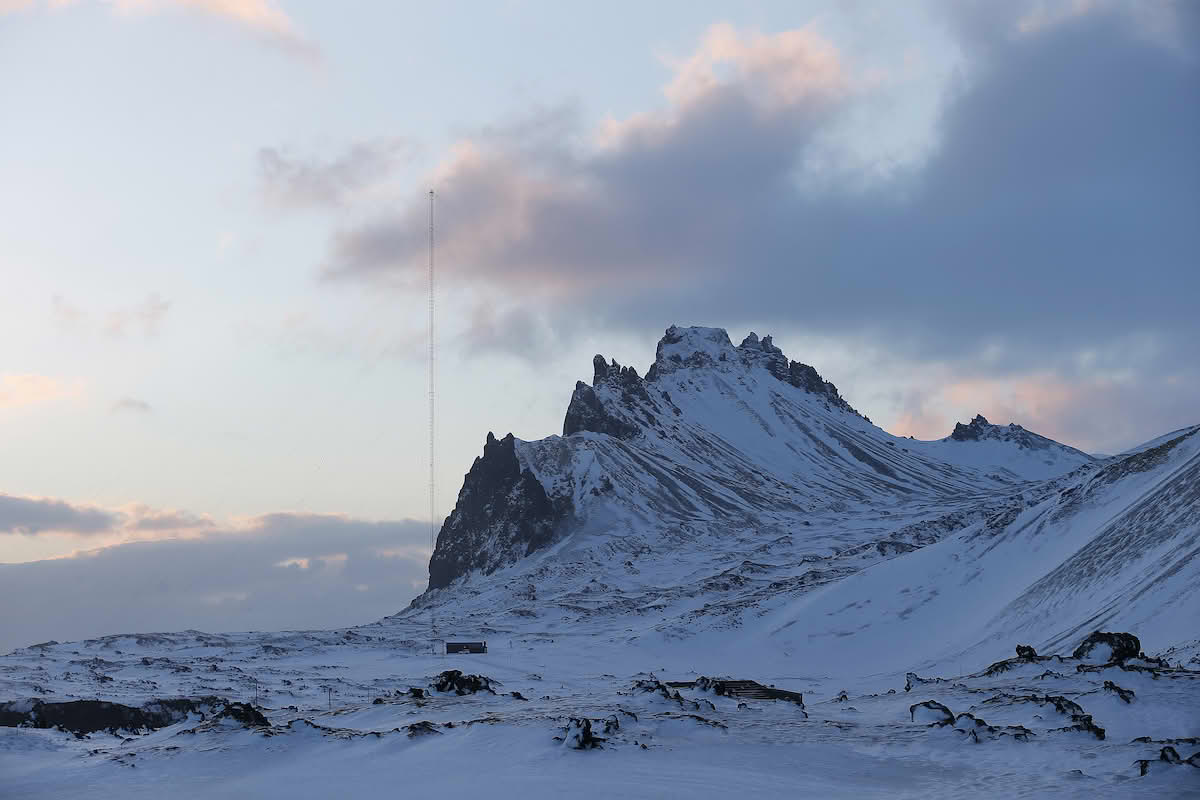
(502, 514)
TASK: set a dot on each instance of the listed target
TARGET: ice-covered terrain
(727, 515)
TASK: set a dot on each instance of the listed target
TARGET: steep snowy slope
(1111, 548)
(729, 439)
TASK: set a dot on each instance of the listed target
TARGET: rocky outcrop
(1107, 648)
(243, 714)
(587, 413)
(578, 735)
(453, 680)
(502, 514)
(979, 430)
(88, 716)
(931, 712)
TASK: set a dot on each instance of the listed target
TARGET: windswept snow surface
(727, 515)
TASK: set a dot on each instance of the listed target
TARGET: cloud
(30, 516)
(131, 405)
(151, 519)
(30, 389)
(263, 18)
(146, 316)
(1052, 214)
(292, 182)
(281, 571)
(1098, 414)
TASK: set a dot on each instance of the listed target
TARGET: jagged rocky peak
(691, 348)
(502, 514)
(979, 430)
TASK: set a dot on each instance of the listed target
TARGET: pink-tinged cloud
(555, 214)
(262, 17)
(1093, 413)
(31, 389)
(781, 69)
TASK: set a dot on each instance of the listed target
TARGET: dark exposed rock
(1108, 647)
(932, 712)
(976, 430)
(1148, 740)
(452, 680)
(88, 716)
(502, 514)
(1026, 652)
(1167, 755)
(244, 713)
(587, 413)
(1082, 723)
(519, 696)
(977, 730)
(979, 429)
(1125, 694)
(912, 679)
(416, 692)
(657, 687)
(578, 735)
(422, 728)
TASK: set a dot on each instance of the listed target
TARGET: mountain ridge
(717, 434)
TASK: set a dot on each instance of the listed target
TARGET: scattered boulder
(931, 712)
(417, 693)
(422, 728)
(1025, 651)
(452, 680)
(578, 735)
(1107, 648)
(520, 696)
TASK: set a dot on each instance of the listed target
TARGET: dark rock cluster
(1167, 756)
(1120, 646)
(452, 680)
(88, 716)
(578, 735)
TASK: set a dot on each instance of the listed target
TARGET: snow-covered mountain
(729, 439)
(731, 489)
(728, 514)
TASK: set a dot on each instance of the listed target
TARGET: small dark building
(466, 647)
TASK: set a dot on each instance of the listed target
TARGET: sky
(214, 245)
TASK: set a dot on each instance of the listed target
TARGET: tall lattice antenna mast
(433, 526)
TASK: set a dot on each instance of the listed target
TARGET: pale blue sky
(178, 180)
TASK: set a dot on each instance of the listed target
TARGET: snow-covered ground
(359, 740)
(728, 515)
